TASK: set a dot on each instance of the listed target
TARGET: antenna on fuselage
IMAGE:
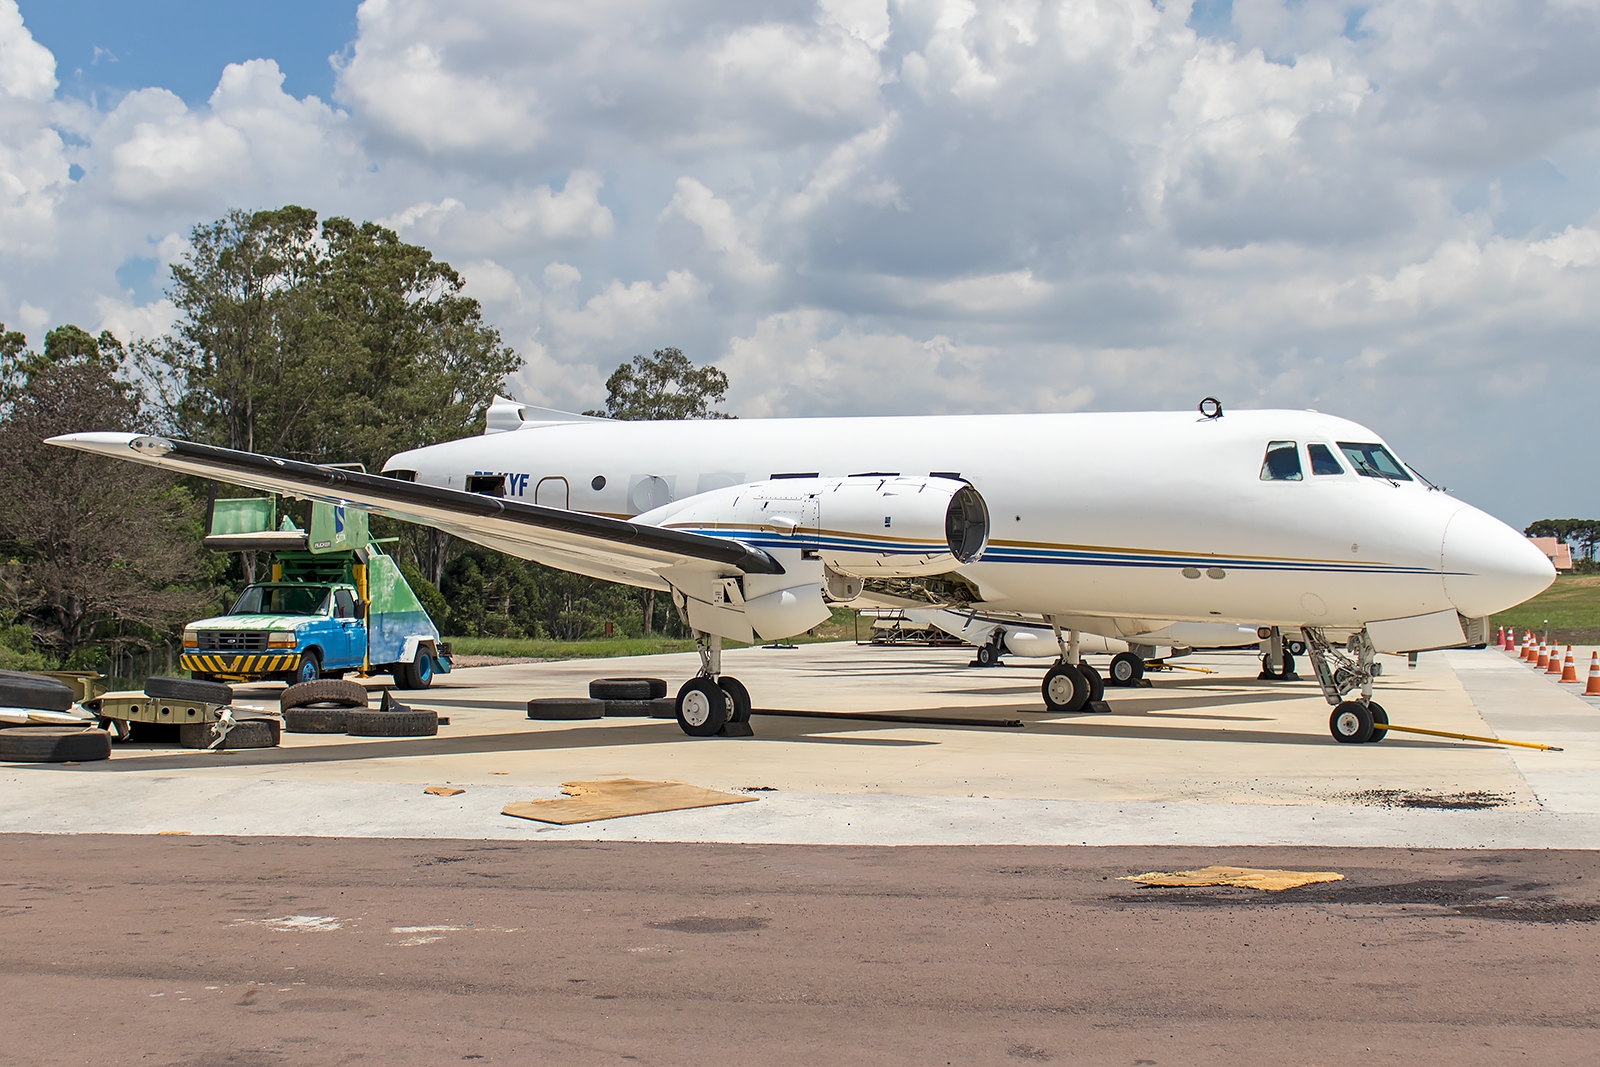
(1211, 408)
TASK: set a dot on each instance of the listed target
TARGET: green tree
(98, 554)
(664, 385)
(336, 342)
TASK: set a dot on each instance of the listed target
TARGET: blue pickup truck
(335, 605)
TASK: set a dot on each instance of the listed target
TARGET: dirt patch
(1474, 898)
(708, 924)
(1407, 798)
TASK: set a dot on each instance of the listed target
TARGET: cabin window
(1374, 461)
(1322, 461)
(1282, 463)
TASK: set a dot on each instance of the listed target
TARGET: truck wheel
(417, 674)
(334, 691)
(310, 668)
(35, 691)
(188, 689)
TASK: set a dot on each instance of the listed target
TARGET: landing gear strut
(1071, 685)
(713, 703)
(1341, 672)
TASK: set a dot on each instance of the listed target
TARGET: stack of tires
(335, 706)
(39, 723)
(609, 697)
(243, 734)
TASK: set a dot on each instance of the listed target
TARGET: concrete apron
(1199, 759)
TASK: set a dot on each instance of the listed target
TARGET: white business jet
(1281, 518)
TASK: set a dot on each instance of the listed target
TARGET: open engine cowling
(872, 526)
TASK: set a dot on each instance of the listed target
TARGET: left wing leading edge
(573, 540)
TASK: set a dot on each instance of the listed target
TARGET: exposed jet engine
(833, 530)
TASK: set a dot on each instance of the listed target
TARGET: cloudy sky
(1390, 211)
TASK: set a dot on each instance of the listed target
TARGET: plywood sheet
(617, 797)
(1244, 877)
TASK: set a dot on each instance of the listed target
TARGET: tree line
(329, 341)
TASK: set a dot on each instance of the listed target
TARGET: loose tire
(560, 709)
(1126, 670)
(627, 709)
(316, 720)
(34, 691)
(664, 708)
(1065, 689)
(703, 707)
(1351, 723)
(53, 744)
(1380, 719)
(627, 689)
(250, 733)
(188, 689)
(335, 691)
(411, 723)
(740, 712)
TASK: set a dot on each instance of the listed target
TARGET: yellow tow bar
(1177, 667)
(1468, 737)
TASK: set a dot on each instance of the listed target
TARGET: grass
(1570, 606)
(839, 628)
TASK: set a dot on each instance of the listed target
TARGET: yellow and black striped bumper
(239, 665)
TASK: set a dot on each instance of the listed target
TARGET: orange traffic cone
(1500, 638)
(1593, 688)
(1555, 662)
(1543, 661)
(1528, 648)
(1568, 674)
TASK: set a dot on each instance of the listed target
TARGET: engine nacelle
(868, 525)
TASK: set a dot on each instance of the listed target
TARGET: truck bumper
(240, 665)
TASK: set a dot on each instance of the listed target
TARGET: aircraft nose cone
(1488, 566)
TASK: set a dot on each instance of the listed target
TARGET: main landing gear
(1072, 685)
(1341, 672)
(713, 703)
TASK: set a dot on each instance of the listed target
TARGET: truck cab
(335, 605)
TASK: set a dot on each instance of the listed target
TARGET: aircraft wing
(572, 540)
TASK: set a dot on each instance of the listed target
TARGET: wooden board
(619, 797)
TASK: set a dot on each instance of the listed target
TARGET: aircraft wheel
(702, 707)
(1097, 687)
(739, 696)
(988, 655)
(1351, 723)
(1380, 719)
(1295, 648)
(1066, 690)
(1126, 669)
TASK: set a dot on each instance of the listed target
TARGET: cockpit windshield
(282, 600)
(1374, 461)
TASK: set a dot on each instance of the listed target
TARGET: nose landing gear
(1342, 671)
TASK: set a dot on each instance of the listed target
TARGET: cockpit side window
(1282, 463)
(1374, 461)
(1322, 461)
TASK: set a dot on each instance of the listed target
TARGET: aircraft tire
(988, 656)
(35, 691)
(1097, 685)
(53, 744)
(562, 709)
(1351, 723)
(1380, 719)
(335, 691)
(739, 695)
(1126, 670)
(250, 733)
(627, 689)
(1065, 690)
(188, 689)
(703, 707)
(1295, 648)
(316, 720)
(412, 723)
